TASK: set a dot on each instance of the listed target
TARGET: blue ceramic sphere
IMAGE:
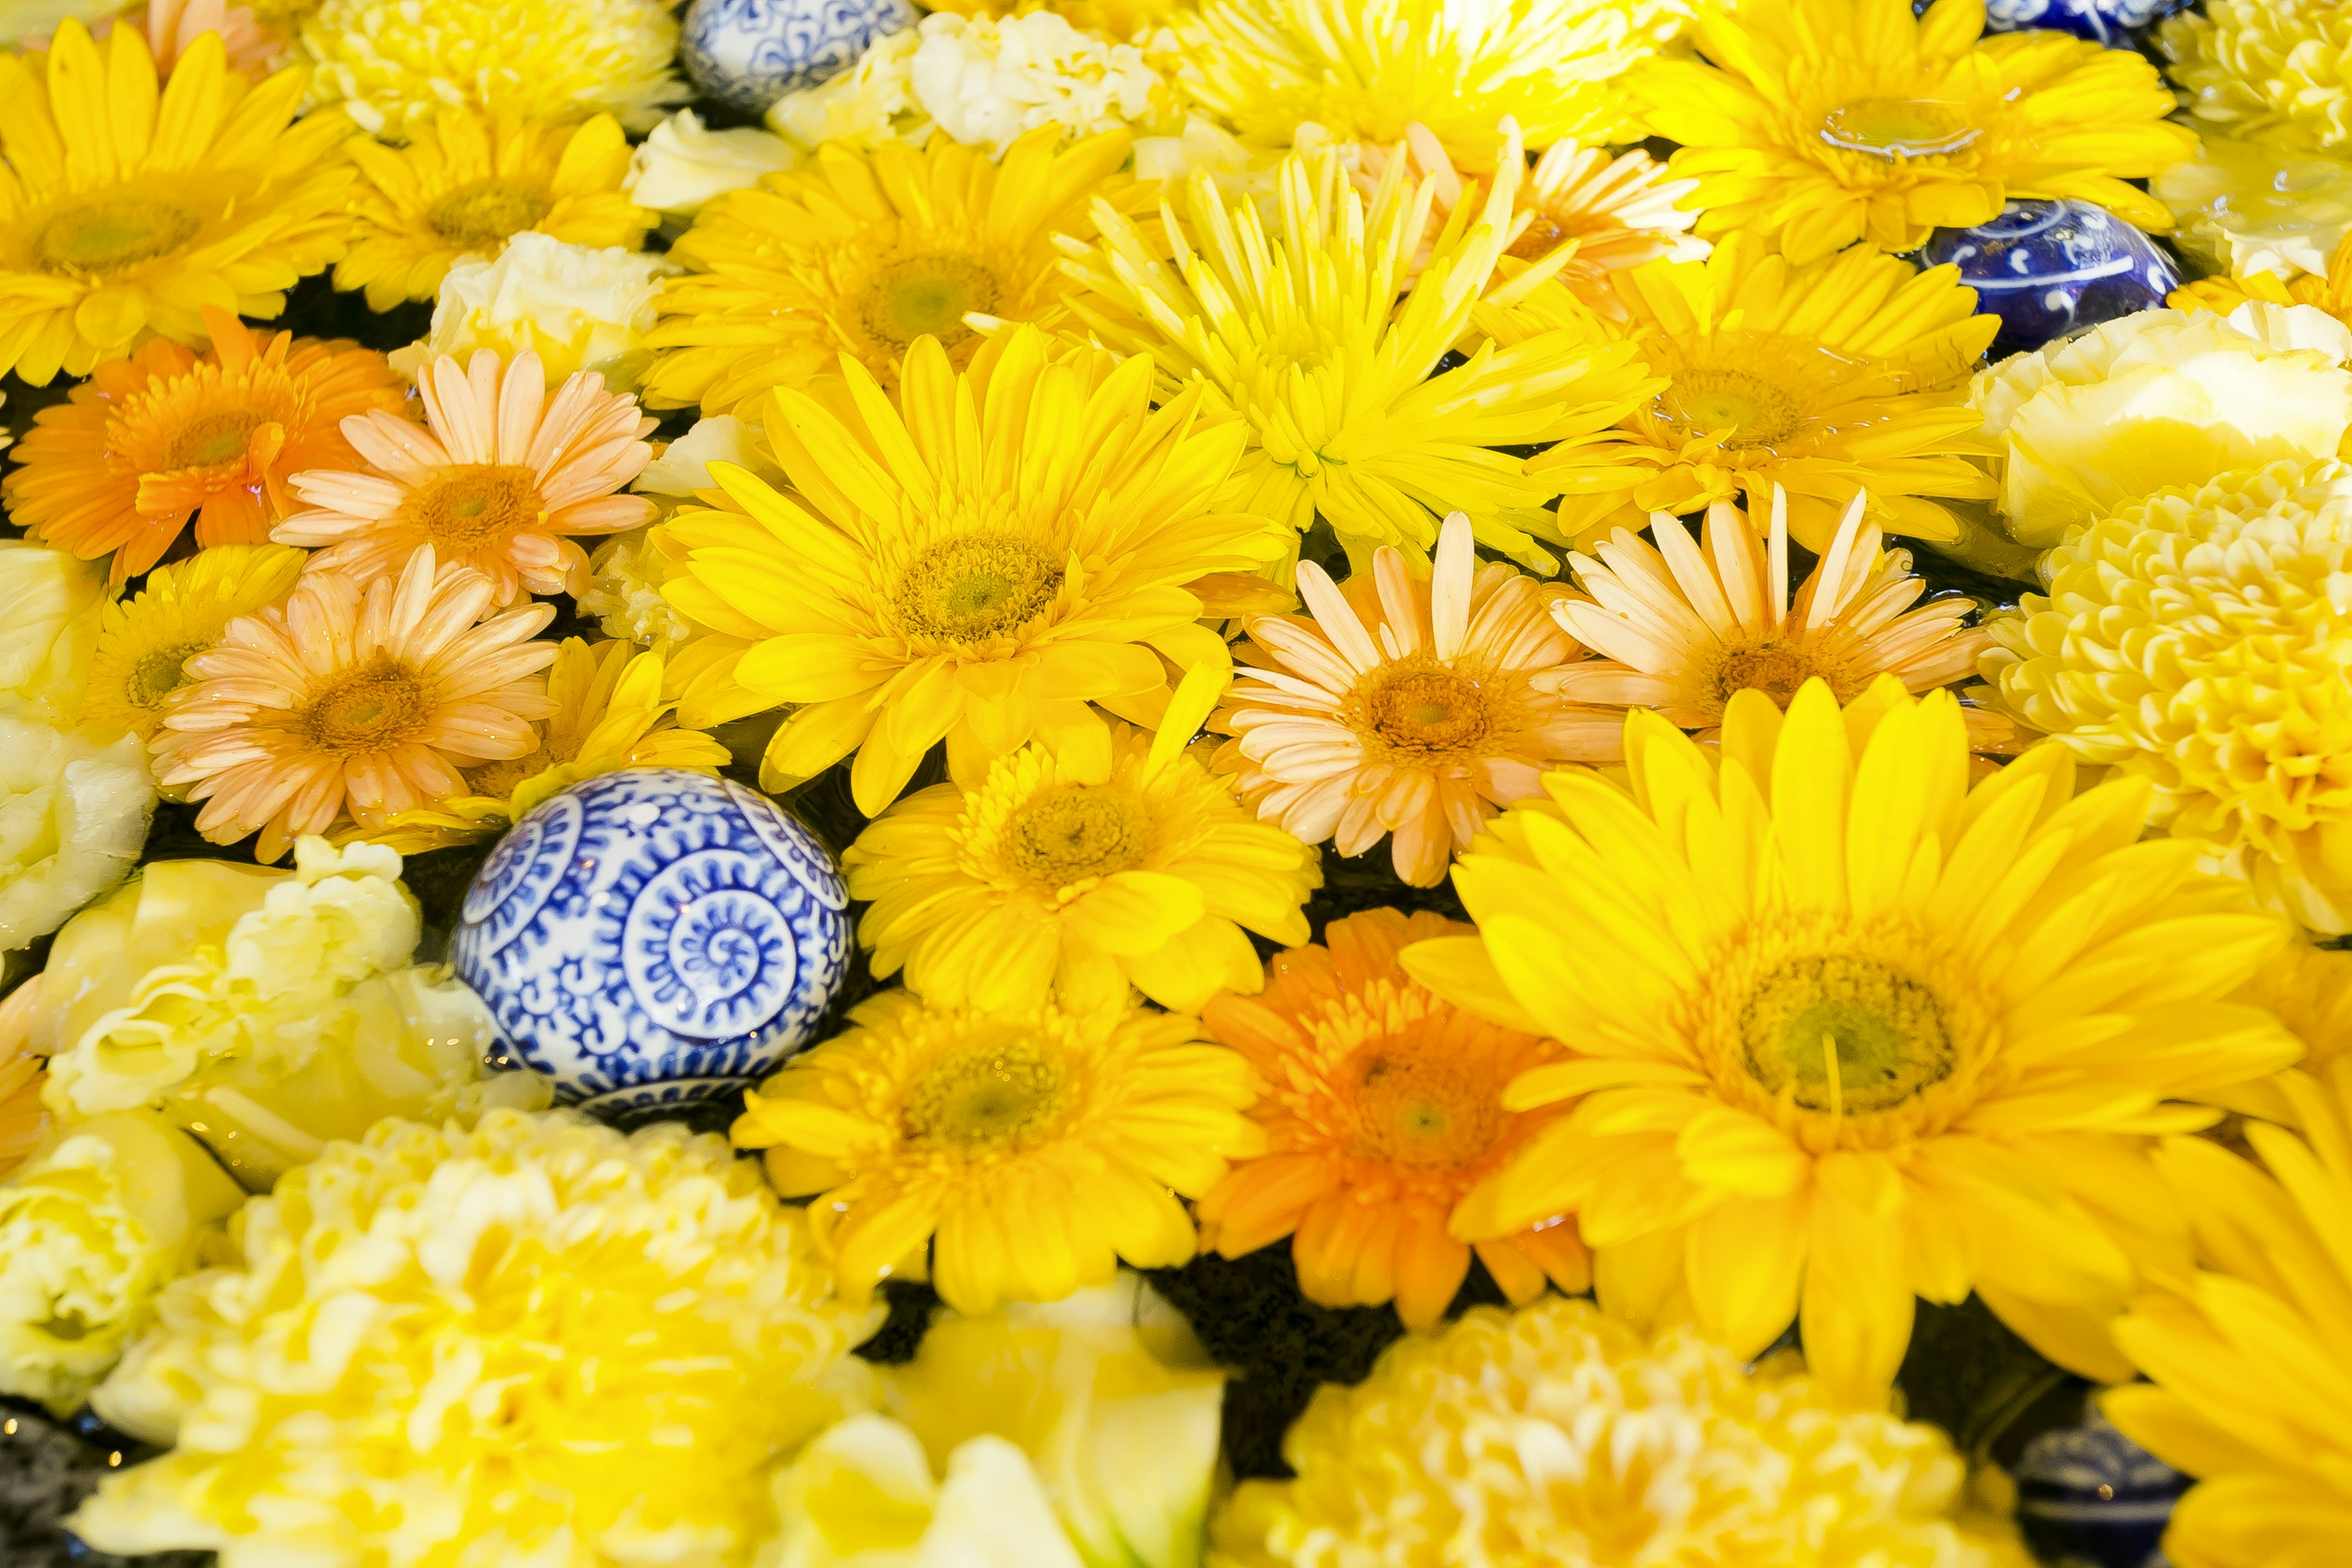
(2051, 269)
(750, 53)
(2108, 22)
(654, 936)
(2091, 1497)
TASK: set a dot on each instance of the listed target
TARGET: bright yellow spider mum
(2251, 1356)
(1296, 322)
(1834, 121)
(1849, 375)
(179, 611)
(1850, 1032)
(1080, 872)
(1032, 1148)
(1557, 1436)
(2200, 639)
(1027, 538)
(2270, 71)
(1364, 71)
(468, 183)
(132, 204)
(2331, 292)
(861, 253)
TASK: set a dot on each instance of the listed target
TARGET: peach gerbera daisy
(1621, 212)
(499, 480)
(1684, 627)
(1385, 1110)
(352, 698)
(1404, 708)
(151, 441)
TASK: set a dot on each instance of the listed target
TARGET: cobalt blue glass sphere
(2108, 22)
(654, 936)
(2088, 1495)
(750, 53)
(2049, 269)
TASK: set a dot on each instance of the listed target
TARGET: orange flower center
(975, 588)
(925, 296)
(211, 439)
(109, 234)
(1413, 1107)
(477, 216)
(1076, 833)
(1427, 712)
(475, 505)
(1896, 129)
(1549, 230)
(997, 1089)
(369, 708)
(1778, 668)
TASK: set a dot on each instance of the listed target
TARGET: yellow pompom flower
(1032, 1148)
(179, 611)
(1294, 321)
(2200, 638)
(1079, 871)
(1848, 374)
(538, 1340)
(1831, 123)
(133, 202)
(861, 253)
(1555, 1434)
(2271, 71)
(1848, 1032)
(468, 183)
(2251, 1353)
(980, 565)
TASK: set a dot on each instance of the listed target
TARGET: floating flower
(1857, 1040)
(168, 437)
(353, 699)
(144, 641)
(50, 608)
(396, 67)
(2197, 639)
(571, 306)
(73, 817)
(929, 595)
(2155, 399)
(2244, 1353)
(2327, 288)
(1296, 323)
(1383, 1110)
(1079, 872)
(531, 1288)
(500, 479)
(1555, 1434)
(1827, 122)
(136, 202)
(2270, 71)
(682, 165)
(861, 254)
(1402, 707)
(1841, 376)
(1032, 1148)
(2243, 207)
(468, 183)
(1621, 210)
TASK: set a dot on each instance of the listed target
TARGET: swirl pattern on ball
(654, 935)
(750, 53)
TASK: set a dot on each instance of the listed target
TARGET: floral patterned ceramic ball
(2049, 269)
(750, 53)
(2108, 22)
(654, 936)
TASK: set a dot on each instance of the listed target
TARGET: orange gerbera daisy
(1385, 1110)
(500, 479)
(1412, 708)
(352, 698)
(168, 435)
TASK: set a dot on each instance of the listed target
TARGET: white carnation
(575, 306)
(684, 164)
(73, 817)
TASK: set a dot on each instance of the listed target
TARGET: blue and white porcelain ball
(750, 53)
(2089, 1497)
(2051, 269)
(2109, 22)
(654, 937)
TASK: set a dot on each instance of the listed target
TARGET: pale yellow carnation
(73, 817)
(48, 627)
(2267, 71)
(575, 306)
(2242, 208)
(684, 164)
(869, 105)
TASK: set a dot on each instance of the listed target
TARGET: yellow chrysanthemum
(1365, 71)
(2274, 71)
(2201, 638)
(180, 610)
(1827, 122)
(1029, 537)
(2252, 1355)
(1555, 1435)
(1295, 321)
(1849, 1032)
(1114, 19)
(1076, 874)
(132, 203)
(2247, 206)
(1849, 375)
(2330, 291)
(468, 183)
(862, 253)
(1032, 1148)
(394, 68)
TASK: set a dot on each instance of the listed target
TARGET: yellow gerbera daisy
(1027, 538)
(179, 611)
(2252, 1355)
(2274, 71)
(470, 182)
(861, 253)
(2310, 989)
(1295, 321)
(1033, 1147)
(1825, 122)
(133, 202)
(1849, 1032)
(1080, 872)
(1848, 374)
